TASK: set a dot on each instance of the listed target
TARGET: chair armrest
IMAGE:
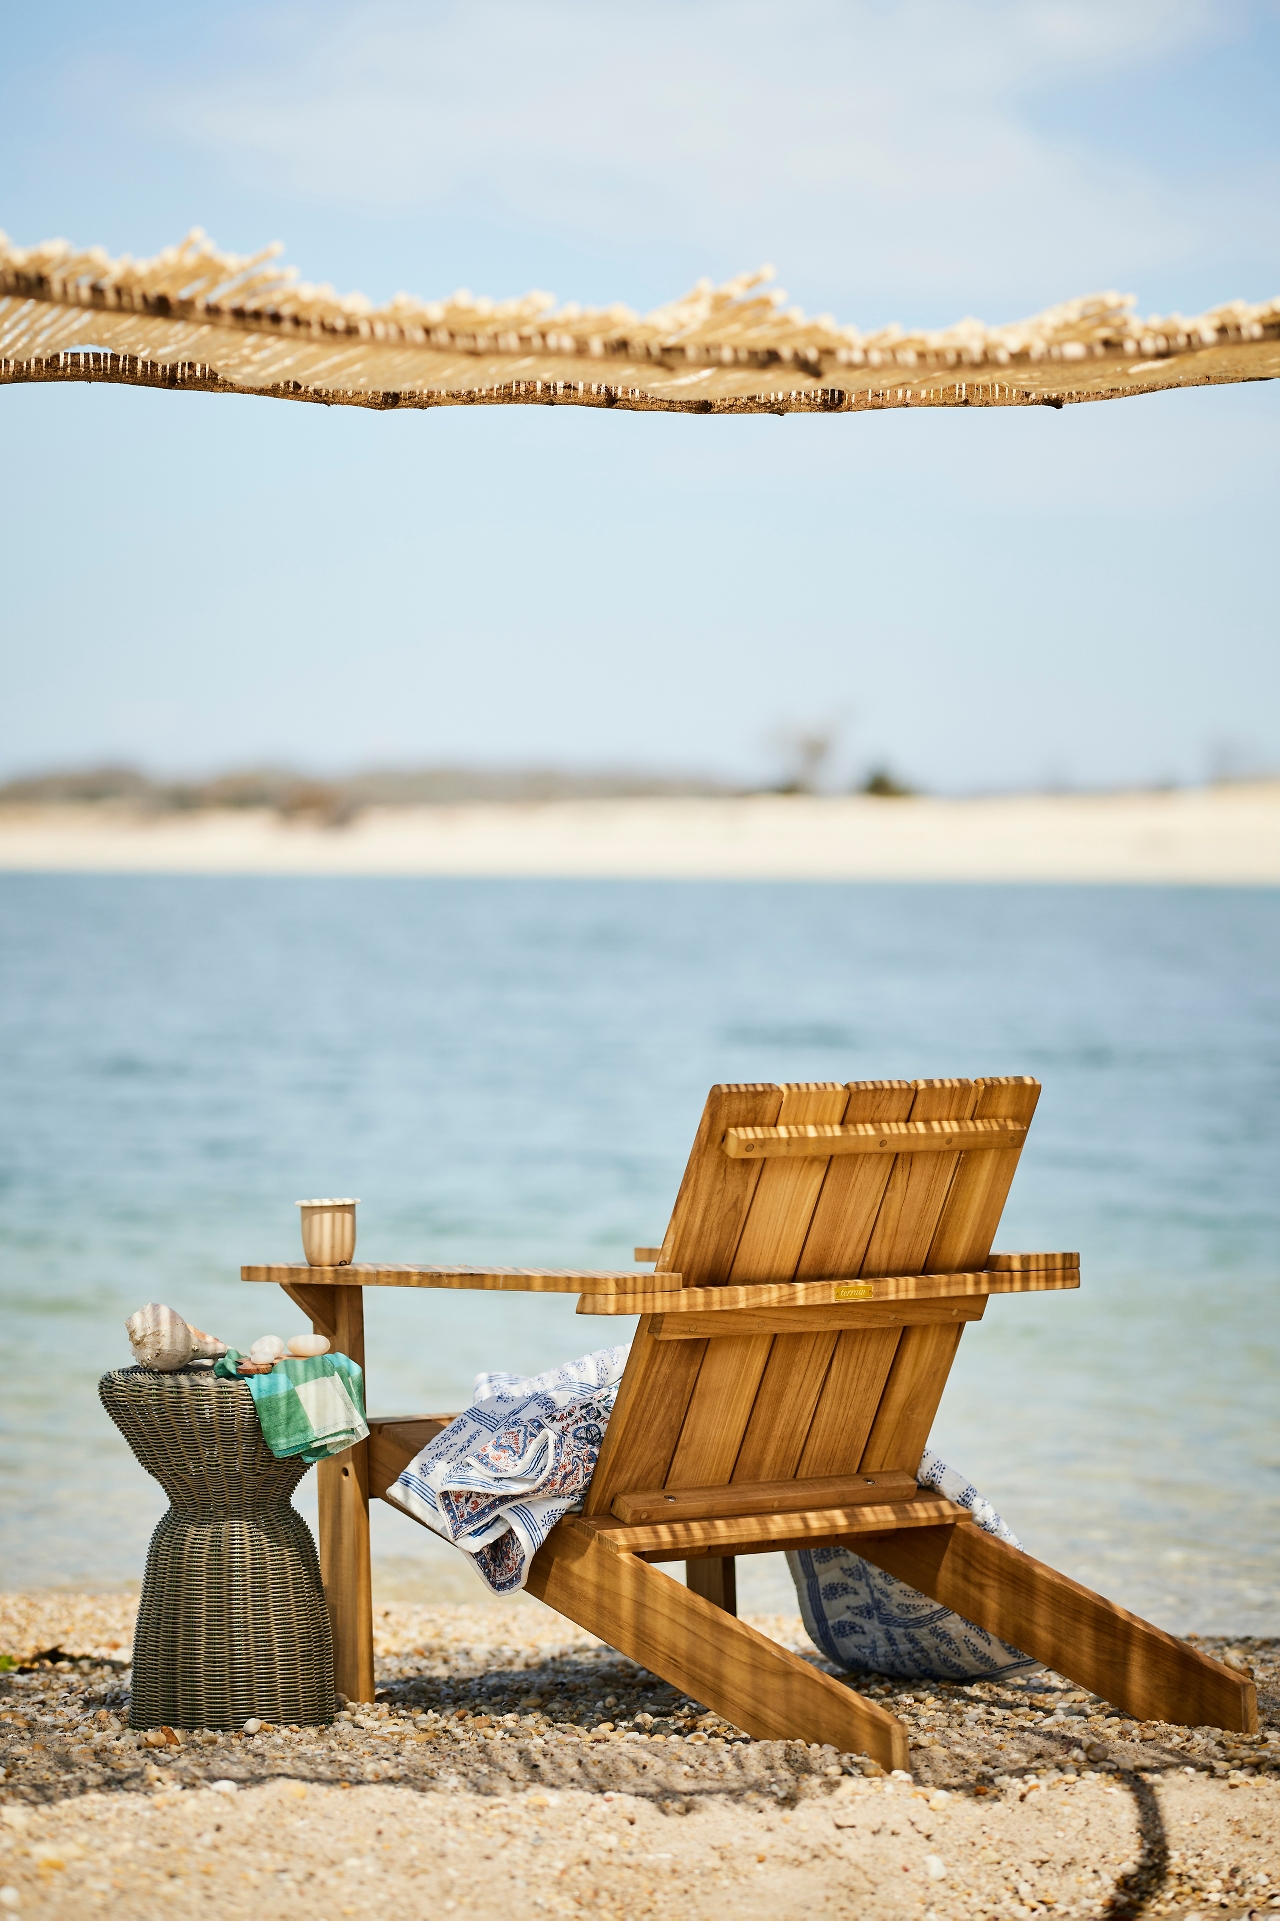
(394, 1442)
(1031, 1263)
(504, 1280)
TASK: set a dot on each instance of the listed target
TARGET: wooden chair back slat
(782, 1206)
(647, 1416)
(909, 1400)
(980, 1187)
(843, 1417)
(917, 1187)
(853, 1188)
(719, 1410)
(716, 1192)
(775, 1224)
(789, 1392)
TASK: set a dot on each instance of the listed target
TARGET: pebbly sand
(1227, 835)
(512, 1763)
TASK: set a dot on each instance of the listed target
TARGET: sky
(1013, 599)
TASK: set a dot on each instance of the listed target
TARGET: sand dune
(1223, 836)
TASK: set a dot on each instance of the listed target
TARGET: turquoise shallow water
(512, 1071)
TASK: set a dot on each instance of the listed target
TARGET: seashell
(160, 1338)
(308, 1345)
(207, 1346)
(268, 1348)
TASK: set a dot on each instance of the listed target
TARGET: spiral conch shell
(163, 1341)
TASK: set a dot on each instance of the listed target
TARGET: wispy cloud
(880, 153)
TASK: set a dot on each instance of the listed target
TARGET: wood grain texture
(836, 1319)
(917, 1186)
(789, 1390)
(851, 1394)
(1030, 1263)
(647, 1417)
(921, 1364)
(772, 1234)
(719, 1409)
(853, 1189)
(342, 1493)
(764, 1497)
(757, 1686)
(887, 1287)
(773, 1533)
(715, 1579)
(317, 1304)
(1139, 1668)
(715, 1192)
(975, 1200)
(777, 1221)
(502, 1280)
(394, 1443)
(798, 1143)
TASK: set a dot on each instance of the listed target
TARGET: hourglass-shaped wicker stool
(232, 1621)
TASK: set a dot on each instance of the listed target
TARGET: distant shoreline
(1216, 836)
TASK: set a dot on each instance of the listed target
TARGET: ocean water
(512, 1072)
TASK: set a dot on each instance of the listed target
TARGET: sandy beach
(1225, 836)
(511, 1761)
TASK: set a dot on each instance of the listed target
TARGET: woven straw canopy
(195, 317)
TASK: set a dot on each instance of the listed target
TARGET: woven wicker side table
(232, 1621)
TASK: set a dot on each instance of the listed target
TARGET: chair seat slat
(774, 1533)
(763, 1497)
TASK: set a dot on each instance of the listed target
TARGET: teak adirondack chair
(826, 1249)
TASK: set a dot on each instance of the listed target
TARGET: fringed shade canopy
(194, 317)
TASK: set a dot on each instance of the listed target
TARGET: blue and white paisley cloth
(869, 1622)
(500, 1476)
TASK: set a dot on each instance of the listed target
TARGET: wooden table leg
(343, 1490)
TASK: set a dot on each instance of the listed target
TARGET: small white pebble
(224, 1787)
(935, 1867)
(9, 1898)
(252, 1725)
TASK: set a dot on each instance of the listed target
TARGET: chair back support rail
(828, 1245)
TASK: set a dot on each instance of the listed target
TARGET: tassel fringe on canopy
(194, 317)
